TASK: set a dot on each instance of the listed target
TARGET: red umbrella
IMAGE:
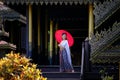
(58, 36)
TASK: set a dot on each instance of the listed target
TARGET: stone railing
(103, 11)
(101, 40)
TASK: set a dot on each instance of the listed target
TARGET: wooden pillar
(11, 32)
(26, 32)
(51, 41)
(23, 37)
(38, 31)
(46, 32)
(30, 30)
(56, 44)
(56, 47)
(91, 22)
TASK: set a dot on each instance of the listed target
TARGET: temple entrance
(46, 20)
(73, 18)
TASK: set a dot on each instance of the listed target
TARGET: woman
(65, 57)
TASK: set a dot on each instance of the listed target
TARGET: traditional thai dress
(65, 57)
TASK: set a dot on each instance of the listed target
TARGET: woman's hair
(64, 34)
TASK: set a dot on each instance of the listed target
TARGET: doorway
(73, 18)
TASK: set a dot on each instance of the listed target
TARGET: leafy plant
(104, 75)
(16, 67)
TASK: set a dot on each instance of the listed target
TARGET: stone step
(63, 78)
(61, 74)
(75, 76)
(71, 76)
(52, 73)
(55, 68)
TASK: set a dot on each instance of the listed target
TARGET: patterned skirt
(65, 65)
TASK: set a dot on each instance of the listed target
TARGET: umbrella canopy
(58, 36)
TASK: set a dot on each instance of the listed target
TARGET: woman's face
(64, 36)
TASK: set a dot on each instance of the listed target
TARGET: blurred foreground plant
(16, 67)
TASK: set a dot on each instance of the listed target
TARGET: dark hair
(63, 34)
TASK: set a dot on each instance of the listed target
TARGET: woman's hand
(61, 47)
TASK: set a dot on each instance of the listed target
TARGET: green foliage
(104, 75)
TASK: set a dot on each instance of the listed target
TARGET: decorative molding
(46, 2)
(102, 40)
(111, 55)
(103, 11)
(107, 57)
(7, 13)
(113, 49)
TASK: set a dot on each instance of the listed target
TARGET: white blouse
(64, 43)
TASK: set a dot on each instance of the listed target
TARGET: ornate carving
(51, 2)
(104, 10)
(99, 40)
(7, 13)
(115, 48)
